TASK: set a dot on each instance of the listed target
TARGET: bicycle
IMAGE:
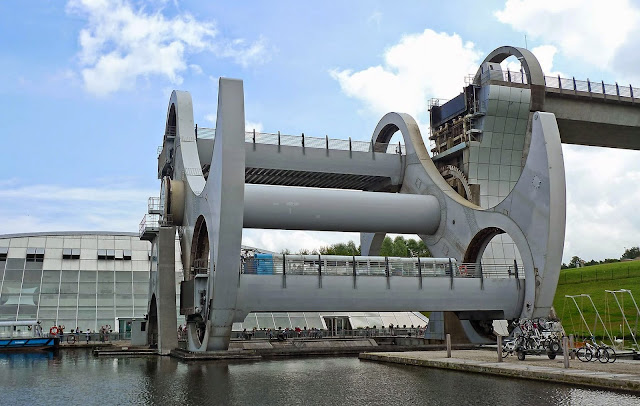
(592, 351)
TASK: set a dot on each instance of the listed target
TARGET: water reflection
(79, 378)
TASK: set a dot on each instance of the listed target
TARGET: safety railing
(305, 141)
(335, 265)
(570, 84)
(150, 223)
(154, 206)
(302, 333)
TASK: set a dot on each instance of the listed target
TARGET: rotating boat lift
(210, 207)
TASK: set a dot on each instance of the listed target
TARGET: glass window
(141, 277)
(124, 312)
(48, 300)
(10, 292)
(106, 312)
(67, 313)
(34, 265)
(87, 300)
(27, 312)
(141, 288)
(88, 276)
(123, 288)
(298, 322)
(87, 313)
(123, 277)
(265, 320)
(250, 322)
(8, 312)
(124, 301)
(29, 296)
(87, 288)
(105, 276)
(313, 320)
(106, 322)
(47, 312)
(68, 299)
(105, 300)
(71, 287)
(139, 311)
(32, 277)
(69, 276)
(15, 264)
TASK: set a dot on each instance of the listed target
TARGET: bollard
(572, 343)
(499, 348)
(448, 345)
(565, 351)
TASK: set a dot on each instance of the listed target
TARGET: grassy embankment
(594, 280)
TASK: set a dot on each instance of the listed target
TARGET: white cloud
(294, 241)
(601, 202)
(120, 44)
(544, 54)
(196, 69)
(588, 30)
(413, 71)
(250, 126)
(104, 207)
(211, 117)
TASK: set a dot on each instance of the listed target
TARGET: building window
(114, 254)
(71, 253)
(35, 254)
(3, 253)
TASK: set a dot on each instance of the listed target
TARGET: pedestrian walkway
(621, 375)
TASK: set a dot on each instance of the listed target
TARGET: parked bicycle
(535, 337)
(591, 351)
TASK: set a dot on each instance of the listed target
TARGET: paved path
(621, 375)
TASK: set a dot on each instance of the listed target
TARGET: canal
(76, 377)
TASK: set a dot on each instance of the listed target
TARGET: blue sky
(87, 84)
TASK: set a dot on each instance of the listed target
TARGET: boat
(25, 335)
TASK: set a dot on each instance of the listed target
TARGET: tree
(631, 253)
(397, 247)
(341, 249)
(418, 248)
(575, 262)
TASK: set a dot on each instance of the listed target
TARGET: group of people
(59, 331)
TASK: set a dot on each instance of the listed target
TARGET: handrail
(570, 84)
(305, 141)
(335, 265)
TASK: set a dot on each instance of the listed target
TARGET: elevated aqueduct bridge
(497, 170)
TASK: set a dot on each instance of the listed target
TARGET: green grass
(594, 280)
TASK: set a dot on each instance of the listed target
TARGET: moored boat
(25, 335)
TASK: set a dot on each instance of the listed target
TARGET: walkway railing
(571, 84)
(332, 265)
(256, 137)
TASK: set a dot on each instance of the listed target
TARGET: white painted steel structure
(204, 194)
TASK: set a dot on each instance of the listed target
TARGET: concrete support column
(166, 291)
(565, 351)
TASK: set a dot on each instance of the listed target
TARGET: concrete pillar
(448, 345)
(166, 291)
(499, 348)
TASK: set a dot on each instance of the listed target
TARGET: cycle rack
(591, 333)
(624, 317)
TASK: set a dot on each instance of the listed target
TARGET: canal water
(75, 377)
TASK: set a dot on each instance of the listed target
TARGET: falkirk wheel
(212, 189)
